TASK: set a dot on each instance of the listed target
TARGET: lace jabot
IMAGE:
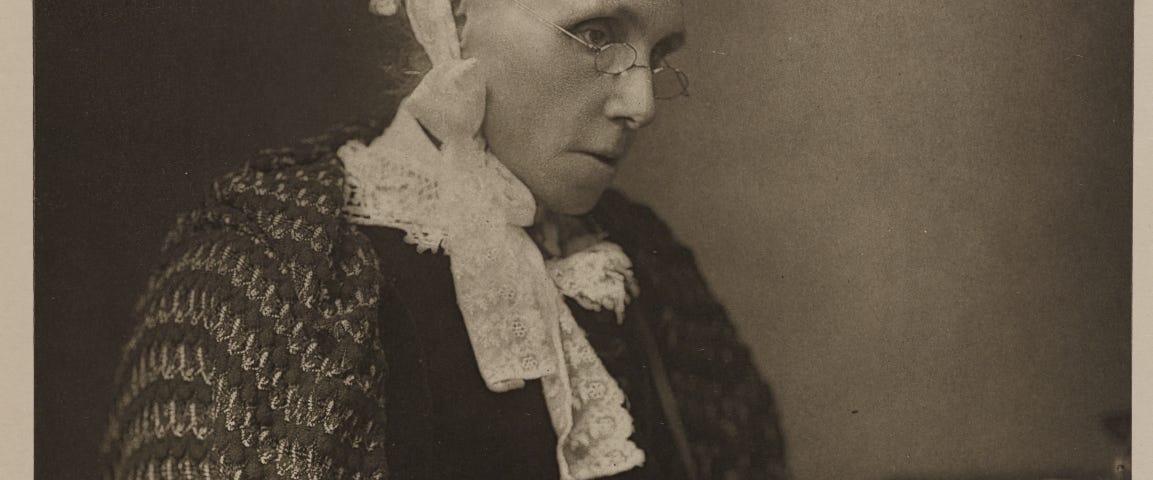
(460, 200)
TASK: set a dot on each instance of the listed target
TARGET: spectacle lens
(669, 83)
(616, 58)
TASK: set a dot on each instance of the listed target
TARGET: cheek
(531, 110)
(537, 104)
(530, 91)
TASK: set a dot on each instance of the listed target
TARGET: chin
(575, 204)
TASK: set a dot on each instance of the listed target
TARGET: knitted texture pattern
(257, 352)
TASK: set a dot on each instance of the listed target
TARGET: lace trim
(601, 427)
(599, 277)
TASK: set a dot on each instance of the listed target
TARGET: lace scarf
(459, 199)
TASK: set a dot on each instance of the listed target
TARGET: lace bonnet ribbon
(460, 198)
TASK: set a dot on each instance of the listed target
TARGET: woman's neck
(559, 235)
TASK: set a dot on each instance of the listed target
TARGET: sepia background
(917, 211)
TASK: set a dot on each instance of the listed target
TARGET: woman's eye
(596, 33)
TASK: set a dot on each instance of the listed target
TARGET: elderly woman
(458, 296)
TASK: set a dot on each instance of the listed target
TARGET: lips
(607, 159)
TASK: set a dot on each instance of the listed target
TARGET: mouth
(609, 159)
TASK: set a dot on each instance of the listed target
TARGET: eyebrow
(674, 41)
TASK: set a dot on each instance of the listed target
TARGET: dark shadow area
(138, 105)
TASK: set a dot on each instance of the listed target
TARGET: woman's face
(559, 125)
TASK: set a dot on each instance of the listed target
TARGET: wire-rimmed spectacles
(617, 58)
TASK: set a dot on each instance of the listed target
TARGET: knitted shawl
(257, 352)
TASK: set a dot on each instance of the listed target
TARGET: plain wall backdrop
(916, 211)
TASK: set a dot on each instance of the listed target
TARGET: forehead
(663, 17)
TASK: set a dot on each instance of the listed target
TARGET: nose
(632, 102)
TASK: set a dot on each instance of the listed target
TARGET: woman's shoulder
(673, 287)
(279, 191)
(728, 409)
(278, 216)
(274, 228)
(283, 202)
(657, 254)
